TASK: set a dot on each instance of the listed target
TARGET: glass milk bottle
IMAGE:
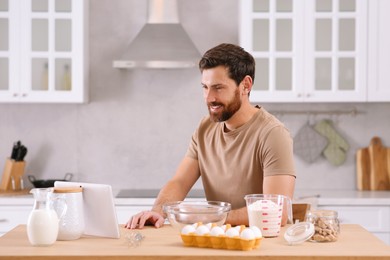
(71, 225)
(42, 224)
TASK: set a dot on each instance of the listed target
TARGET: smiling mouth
(214, 107)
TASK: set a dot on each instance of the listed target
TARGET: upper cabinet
(43, 51)
(313, 50)
(379, 51)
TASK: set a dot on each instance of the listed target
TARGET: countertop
(165, 243)
(316, 197)
(345, 197)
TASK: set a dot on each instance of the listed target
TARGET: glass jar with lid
(326, 225)
(71, 225)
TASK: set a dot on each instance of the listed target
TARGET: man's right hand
(145, 218)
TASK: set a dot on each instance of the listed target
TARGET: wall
(137, 125)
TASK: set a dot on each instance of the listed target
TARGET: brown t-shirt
(233, 164)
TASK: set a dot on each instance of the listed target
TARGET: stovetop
(152, 193)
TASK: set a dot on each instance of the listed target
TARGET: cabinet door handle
(15, 94)
(3, 220)
(24, 94)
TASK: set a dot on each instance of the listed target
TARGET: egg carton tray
(220, 242)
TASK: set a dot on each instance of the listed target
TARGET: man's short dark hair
(238, 62)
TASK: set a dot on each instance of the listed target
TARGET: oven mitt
(309, 144)
(336, 150)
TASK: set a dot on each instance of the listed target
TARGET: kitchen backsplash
(138, 123)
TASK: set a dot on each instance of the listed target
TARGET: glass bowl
(181, 213)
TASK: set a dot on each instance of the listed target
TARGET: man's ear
(247, 81)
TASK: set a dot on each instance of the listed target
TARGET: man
(238, 149)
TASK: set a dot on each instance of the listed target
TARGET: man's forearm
(238, 217)
(172, 191)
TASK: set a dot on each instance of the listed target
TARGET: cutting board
(373, 166)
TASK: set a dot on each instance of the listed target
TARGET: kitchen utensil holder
(12, 175)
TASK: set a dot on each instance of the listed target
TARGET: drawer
(385, 237)
(372, 218)
(11, 216)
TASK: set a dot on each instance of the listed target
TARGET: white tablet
(99, 208)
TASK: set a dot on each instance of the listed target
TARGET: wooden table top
(165, 243)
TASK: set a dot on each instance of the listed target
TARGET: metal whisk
(134, 238)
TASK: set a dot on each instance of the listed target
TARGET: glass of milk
(265, 211)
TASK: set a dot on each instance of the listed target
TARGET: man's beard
(227, 110)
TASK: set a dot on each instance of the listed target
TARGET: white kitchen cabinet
(379, 51)
(127, 207)
(307, 51)
(43, 51)
(124, 213)
(13, 215)
(15, 211)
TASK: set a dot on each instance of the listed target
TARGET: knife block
(13, 170)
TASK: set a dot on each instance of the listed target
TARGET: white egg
(217, 231)
(202, 230)
(195, 225)
(188, 229)
(238, 228)
(247, 234)
(232, 232)
(257, 231)
(209, 225)
(226, 227)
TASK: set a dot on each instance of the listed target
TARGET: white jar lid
(299, 233)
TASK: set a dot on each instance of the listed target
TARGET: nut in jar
(326, 224)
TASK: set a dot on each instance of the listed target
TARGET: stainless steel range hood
(161, 43)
